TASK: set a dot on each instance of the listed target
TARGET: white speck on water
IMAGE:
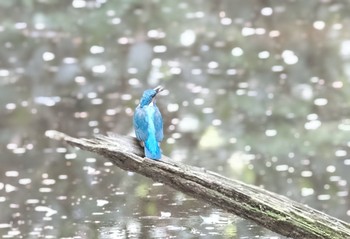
(270, 132)
(32, 201)
(10, 188)
(337, 84)
(116, 21)
(154, 33)
(307, 192)
(344, 125)
(20, 25)
(133, 227)
(187, 38)
(324, 197)
(48, 56)
(80, 80)
(126, 97)
(282, 167)
(211, 219)
(319, 25)
(264, 54)
(14, 205)
(170, 141)
(48, 181)
(198, 101)
(24, 181)
(111, 112)
(176, 135)
(173, 107)
(99, 69)
(96, 101)
(331, 169)
(226, 21)
(49, 212)
(63, 177)
(289, 57)
(4, 73)
(266, 11)
(157, 184)
(337, 26)
(90, 160)
(334, 178)
(19, 151)
(123, 40)
(207, 110)
(306, 174)
(231, 72)
(79, 3)
(45, 190)
(91, 170)
(277, 68)
(101, 202)
(70, 60)
(134, 81)
(248, 31)
(5, 225)
(96, 49)
(237, 51)
(108, 164)
(340, 153)
(260, 31)
(320, 101)
(175, 70)
(165, 214)
(342, 194)
(213, 65)
(93, 123)
(216, 122)
(11, 106)
(13, 232)
(312, 125)
(159, 49)
(312, 117)
(345, 48)
(62, 197)
(11, 173)
(11, 146)
(303, 91)
(47, 101)
(70, 156)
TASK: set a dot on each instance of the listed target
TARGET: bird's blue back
(148, 125)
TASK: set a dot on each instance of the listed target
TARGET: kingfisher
(148, 123)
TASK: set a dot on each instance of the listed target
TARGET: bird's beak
(159, 89)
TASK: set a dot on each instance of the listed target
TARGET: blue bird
(148, 124)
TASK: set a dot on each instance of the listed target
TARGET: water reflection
(255, 92)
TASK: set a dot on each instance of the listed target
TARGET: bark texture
(270, 210)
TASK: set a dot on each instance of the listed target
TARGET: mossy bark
(270, 210)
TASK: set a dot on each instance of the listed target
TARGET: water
(255, 92)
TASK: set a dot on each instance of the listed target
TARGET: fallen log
(268, 209)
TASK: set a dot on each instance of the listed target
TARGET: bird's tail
(152, 149)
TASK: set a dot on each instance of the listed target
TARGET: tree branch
(270, 210)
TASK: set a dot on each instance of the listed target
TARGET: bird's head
(149, 95)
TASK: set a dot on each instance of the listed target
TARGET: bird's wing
(158, 124)
(141, 124)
